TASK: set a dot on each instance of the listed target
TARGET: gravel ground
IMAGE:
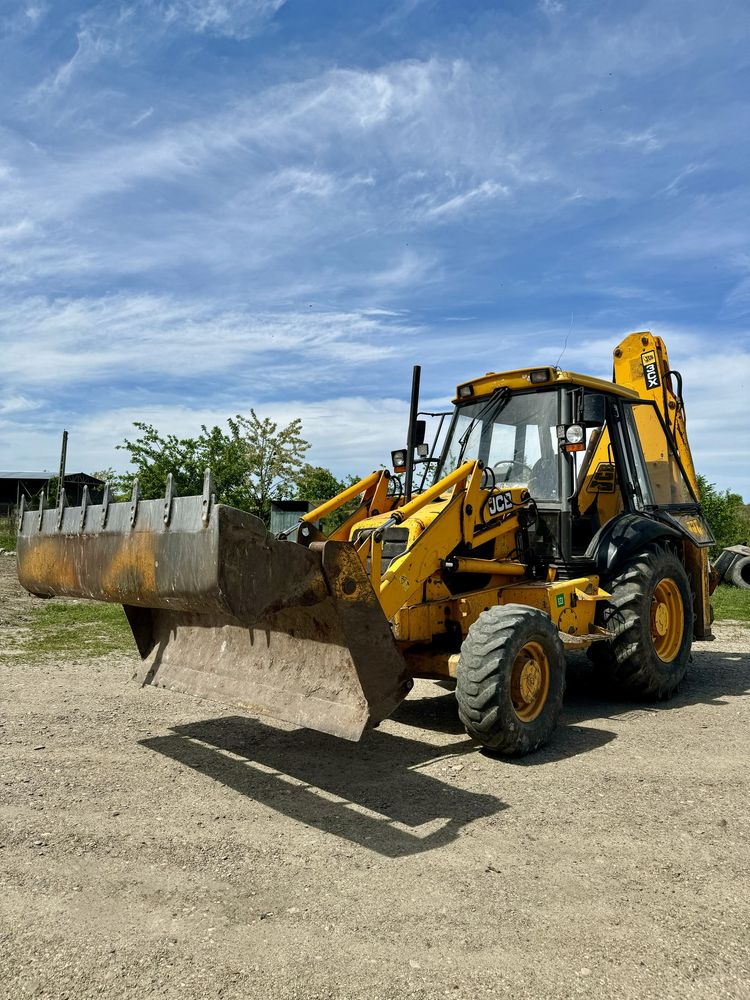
(152, 846)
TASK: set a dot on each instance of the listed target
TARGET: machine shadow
(439, 713)
(712, 678)
(372, 793)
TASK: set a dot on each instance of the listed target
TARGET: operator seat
(543, 484)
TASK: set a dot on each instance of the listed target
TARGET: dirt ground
(152, 846)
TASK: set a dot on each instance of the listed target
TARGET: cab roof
(520, 378)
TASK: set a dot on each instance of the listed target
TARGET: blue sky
(208, 205)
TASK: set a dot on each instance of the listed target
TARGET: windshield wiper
(494, 405)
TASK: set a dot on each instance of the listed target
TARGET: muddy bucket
(220, 609)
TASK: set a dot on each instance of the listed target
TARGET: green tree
(119, 485)
(318, 484)
(273, 457)
(726, 513)
(51, 490)
(155, 456)
(251, 462)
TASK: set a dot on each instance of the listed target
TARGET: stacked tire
(733, 566)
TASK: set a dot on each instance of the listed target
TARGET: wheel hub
(661, 619)
(667, 619)
(530, 681)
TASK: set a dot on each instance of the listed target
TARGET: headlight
(575, 434)
(398, 458)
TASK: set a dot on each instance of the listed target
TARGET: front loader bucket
(220, 609)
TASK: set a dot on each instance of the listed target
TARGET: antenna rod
(411, 444)
(61, 478)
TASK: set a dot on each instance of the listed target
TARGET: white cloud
(647, 141)
(113, 32)
(142, 117)
(16, 231)
(80, 340)
(675, 185)
(18, 404)
(453, 206)
(23, 20)
(232, 18)
(91, 48)
(34, 13)
(715, 400)
(348, 434)
(452, 186)
(353, 431)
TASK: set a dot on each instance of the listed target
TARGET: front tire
(650, 616)
(511, 679)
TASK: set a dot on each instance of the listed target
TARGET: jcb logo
(603, 479)
(650, 370)
(498, 503)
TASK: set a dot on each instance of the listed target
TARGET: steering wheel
(543, 481)
(505, 472)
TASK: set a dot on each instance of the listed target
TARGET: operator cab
(585, 450)
(514, 435)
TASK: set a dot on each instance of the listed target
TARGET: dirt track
(157, 847)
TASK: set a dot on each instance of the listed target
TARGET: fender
(622, 535)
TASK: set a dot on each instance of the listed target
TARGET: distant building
(286, 513)
(14, 485)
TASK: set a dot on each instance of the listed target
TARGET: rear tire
(650, 615)
(511, 679)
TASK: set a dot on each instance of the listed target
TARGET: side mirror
(420, 430)
(594, 410)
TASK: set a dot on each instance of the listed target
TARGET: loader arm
(461, 520)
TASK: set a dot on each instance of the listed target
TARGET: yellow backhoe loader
(553, 512)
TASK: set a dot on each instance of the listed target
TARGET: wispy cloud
(22, 20)
(232, 18)
(142, 117)
(676, 184)
(116, 32)
(18, 404)
(88, 340)
(304, 197)
(90, 49)
(647, 141)
(482, 192)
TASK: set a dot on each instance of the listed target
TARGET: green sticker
(560, 600)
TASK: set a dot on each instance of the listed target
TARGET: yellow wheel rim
(667, 619)
(529, 681)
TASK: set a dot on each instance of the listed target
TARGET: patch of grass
(7, 534)
(80, 628)
(731, 602)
